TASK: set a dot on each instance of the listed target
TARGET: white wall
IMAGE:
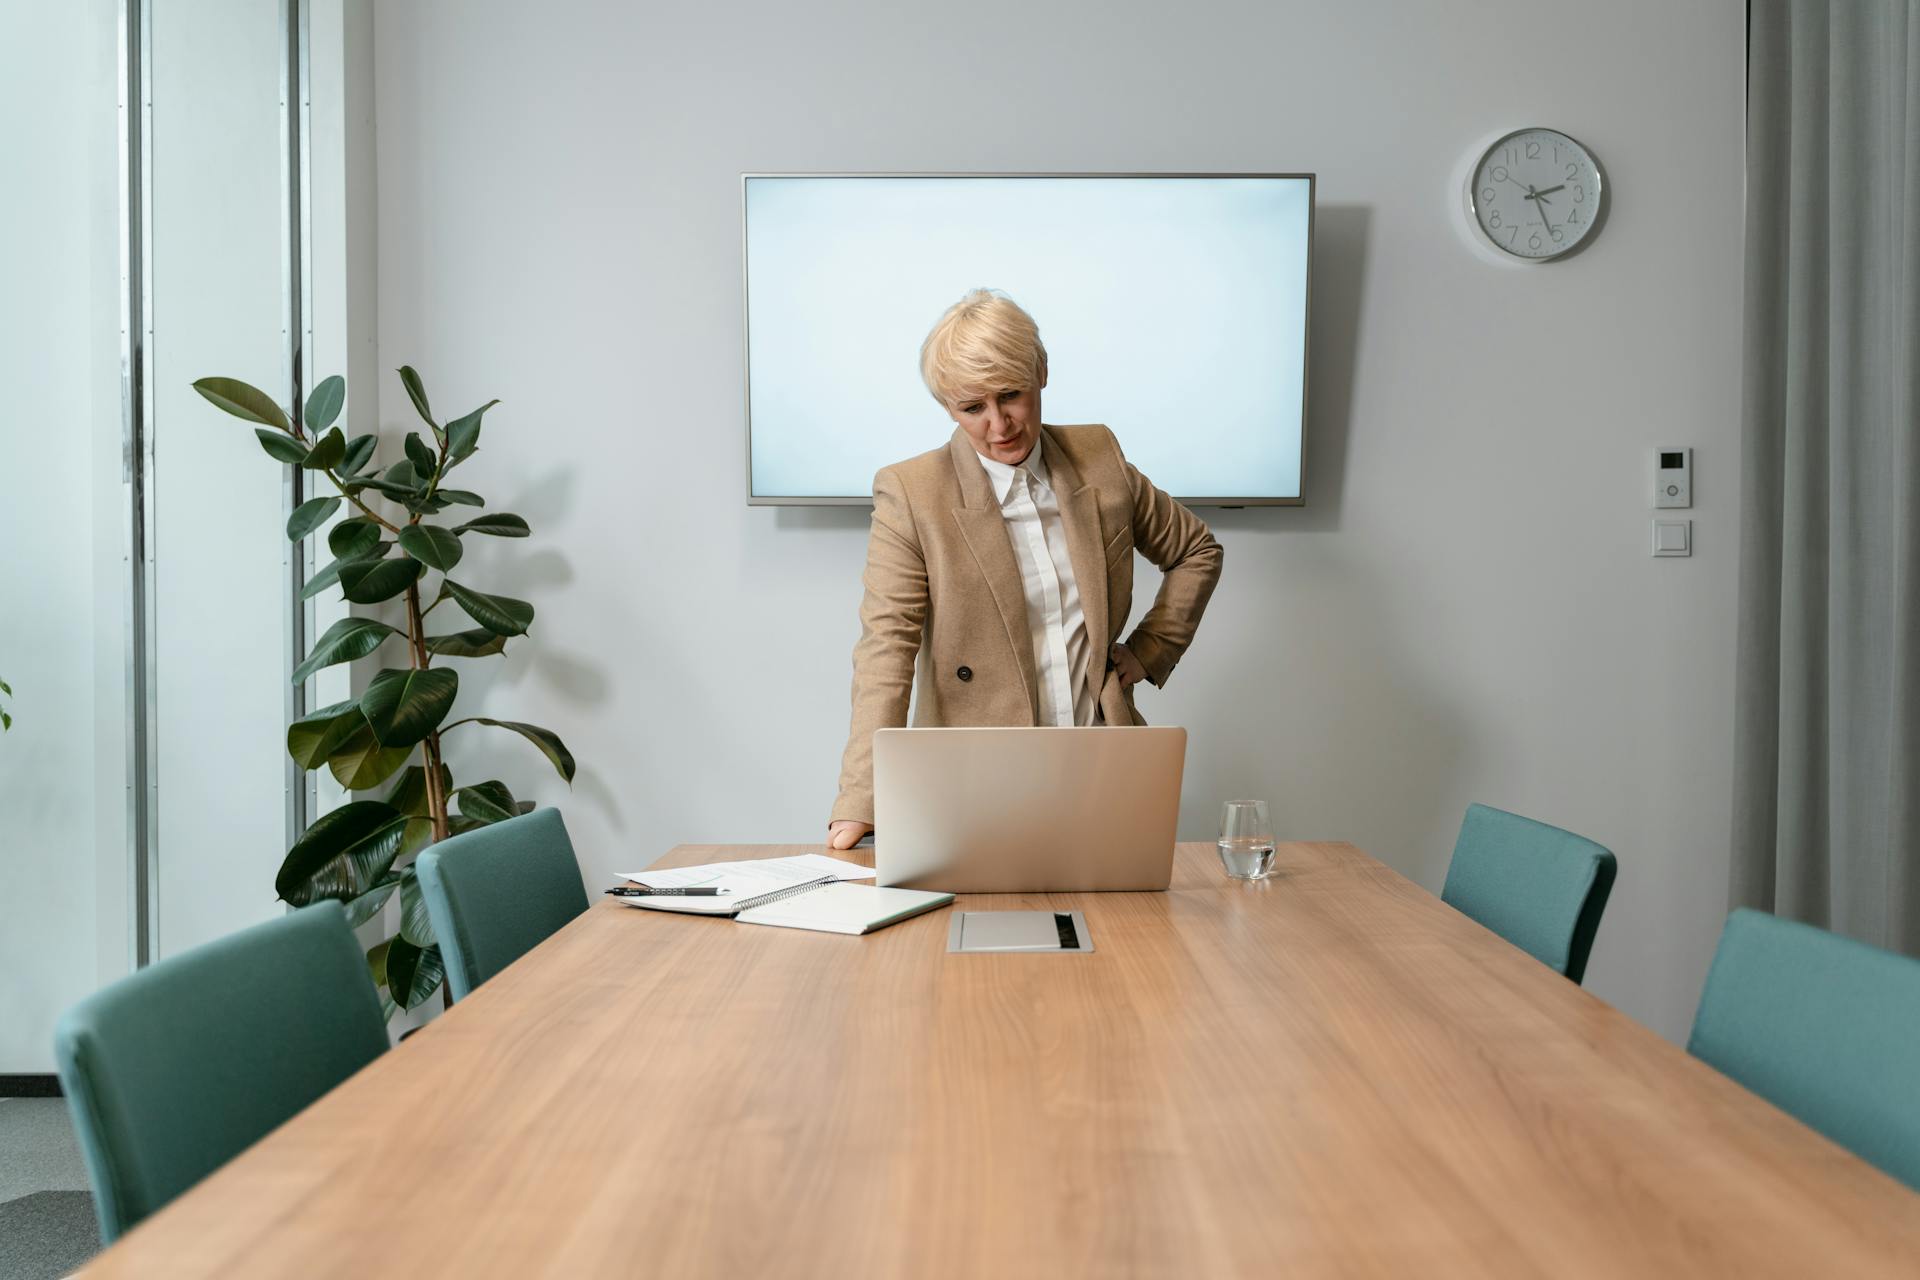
(63, 767)
(1464, 610)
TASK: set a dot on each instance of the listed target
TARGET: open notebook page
(741, 880)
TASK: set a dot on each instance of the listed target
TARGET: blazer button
(965, 673)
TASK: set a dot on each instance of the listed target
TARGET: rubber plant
(391, 734)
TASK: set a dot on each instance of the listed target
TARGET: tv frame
(746, 336)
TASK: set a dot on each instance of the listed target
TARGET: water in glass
(1247, 858)
(1246, 839)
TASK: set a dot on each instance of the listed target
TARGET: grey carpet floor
(47, 1229)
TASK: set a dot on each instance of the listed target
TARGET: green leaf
(342, 855)
(243, 400)
(486, 801)
(546, 739)
(501, 524)
(354, 539)
(398, 481)
(405, 706)
(419, 835)
(344, 641)
(281, 448)
(310, 515)
(409, 795)
(360, 763)
(413, 973)
(417, 392)
(478, 643)
(377, 962)
(371, 581)
(328, 453)
(326, 577)
(323, 406)
(415, 926)
(318, 734)
(463, 434)
(420, 455)
(367, 905)
(6, 721)
(502, 615)
(464, 497)
(6, 688)
(431, 545)
(432, 505)
(359, 454)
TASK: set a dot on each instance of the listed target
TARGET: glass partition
(219, 306)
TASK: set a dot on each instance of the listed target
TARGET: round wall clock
(1535, 194)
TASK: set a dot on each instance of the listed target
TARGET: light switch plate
(1672, 537)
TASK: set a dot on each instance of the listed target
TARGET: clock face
(1535, 194)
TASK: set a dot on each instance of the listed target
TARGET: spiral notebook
(842, 908)
(810, 891)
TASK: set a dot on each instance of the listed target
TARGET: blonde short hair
(984, 343)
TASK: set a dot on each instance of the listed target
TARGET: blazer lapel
(985, 531)
(1086, 547)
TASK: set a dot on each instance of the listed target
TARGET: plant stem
(436, 788)
(436, 785)
(354, 498)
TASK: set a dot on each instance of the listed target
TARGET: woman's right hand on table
(845, 834)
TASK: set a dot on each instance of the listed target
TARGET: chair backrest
(1540, 888)
(1823, 1027)
(495, 892)
(177, 1068)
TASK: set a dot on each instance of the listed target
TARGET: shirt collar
(1001, 473)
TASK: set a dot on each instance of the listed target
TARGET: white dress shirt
(1061, 648)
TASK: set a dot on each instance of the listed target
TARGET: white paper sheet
(742, 880)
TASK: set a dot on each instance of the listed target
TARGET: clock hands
(1550, 190)
(1540, 203)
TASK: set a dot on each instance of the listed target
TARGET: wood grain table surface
(1329, 1073)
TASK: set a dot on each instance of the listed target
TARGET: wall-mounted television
(1173, 308)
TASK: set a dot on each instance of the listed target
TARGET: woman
(1007, 557)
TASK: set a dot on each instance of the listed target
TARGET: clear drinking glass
(1246, 840)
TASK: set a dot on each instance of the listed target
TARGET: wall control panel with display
(1673, 478)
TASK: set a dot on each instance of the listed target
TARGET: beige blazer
(943, 587)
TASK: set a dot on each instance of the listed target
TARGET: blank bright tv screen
(1173, 309)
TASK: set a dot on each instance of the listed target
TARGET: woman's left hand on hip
(1131, 672)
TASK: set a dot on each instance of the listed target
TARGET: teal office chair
(1823, 1027)
(1540, 888)
(177, 1068)
(495, 892)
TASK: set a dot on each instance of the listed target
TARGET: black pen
(641, 891)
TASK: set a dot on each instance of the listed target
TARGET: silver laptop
(1026, 810)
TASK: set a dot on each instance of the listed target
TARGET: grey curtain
(1826, 819)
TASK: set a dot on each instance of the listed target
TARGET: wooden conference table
(1329, 1073)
